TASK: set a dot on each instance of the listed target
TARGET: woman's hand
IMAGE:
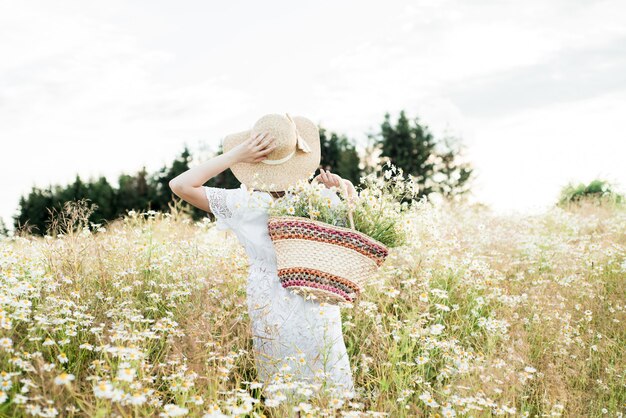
(254, 149)
(330, 179)
(188, 185)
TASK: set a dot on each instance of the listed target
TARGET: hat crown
(296, 156)
(282, 129)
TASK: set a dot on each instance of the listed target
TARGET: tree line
(436, 163)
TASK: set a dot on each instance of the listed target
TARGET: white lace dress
(288, 330)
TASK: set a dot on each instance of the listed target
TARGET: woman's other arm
(188, 185)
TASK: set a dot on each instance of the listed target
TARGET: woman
(290, 333)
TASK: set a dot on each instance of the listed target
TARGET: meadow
(479, 315)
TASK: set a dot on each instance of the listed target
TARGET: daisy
(126, 374)
(137, 398)
(436, 329)
(103, 390)
(6, 343)
(421, 359)
(63, 379)
(448, 412)
(428, 399)
(171, 410)
(336, 403)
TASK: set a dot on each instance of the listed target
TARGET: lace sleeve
(218, 205)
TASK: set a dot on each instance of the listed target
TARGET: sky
(535, 89)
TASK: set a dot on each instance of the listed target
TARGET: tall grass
(477, 315)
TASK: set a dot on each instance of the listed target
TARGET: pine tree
(133, 192)
(409, 145)
(102, 193)
(226, 179)
(454, 174)
(4, 232)
(161, 193)
(34, 211)
(339, 155)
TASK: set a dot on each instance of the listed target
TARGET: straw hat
(296, 156)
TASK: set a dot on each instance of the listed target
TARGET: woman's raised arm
(188, 185)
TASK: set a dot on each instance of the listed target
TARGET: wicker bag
(327, 261)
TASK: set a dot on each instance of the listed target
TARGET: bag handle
(344, 190)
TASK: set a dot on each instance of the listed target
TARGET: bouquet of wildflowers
(377, 209)
(310, 200)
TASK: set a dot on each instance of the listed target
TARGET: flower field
(477, 315)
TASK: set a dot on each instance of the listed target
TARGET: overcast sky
(536, 88)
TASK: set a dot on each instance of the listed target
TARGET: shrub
(598, 191)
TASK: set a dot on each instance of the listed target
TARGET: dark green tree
(452, 174)
(3, 229)
(33, 211)
(140, 191)
(102, 193)
(339, 155)
(162, 194)
(410, 146)
(133, 192)
(74, 191)
(226, 179)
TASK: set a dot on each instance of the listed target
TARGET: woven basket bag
(327, 261)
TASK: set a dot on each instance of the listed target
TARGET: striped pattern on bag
(330, 262)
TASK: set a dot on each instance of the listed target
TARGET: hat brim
(278, 177)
